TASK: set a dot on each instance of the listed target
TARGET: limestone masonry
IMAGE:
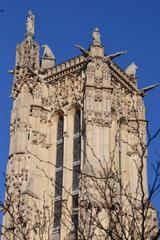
(69, 118)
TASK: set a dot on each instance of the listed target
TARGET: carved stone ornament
(66, 93)
(94, 118)
(18, 173)
(98, 95)
(44, 116)
(32, 84)
(102, 120)
(37, 91)
(42, 140)
(35, 111)
(27, 59)
(133, 128)
(98, 72)
(134, 151)
(140, 108)
(46, 102)
(18, 126)
(126, 105)
(39, 139)
(53, 99)
(35, 137)
(97, 112)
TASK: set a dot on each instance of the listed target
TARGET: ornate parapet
(69, 67)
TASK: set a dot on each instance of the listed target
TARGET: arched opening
(59, 173)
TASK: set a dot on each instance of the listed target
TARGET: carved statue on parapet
(96, 37)
(131, 70)
(30, 23)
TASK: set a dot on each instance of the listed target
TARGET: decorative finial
(30, 23)
(96, 37)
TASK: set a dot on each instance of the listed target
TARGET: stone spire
(27, 52)
(27, 56)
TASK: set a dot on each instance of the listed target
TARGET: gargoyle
(143, 91)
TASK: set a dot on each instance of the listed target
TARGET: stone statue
(131, 70)
(30, 23)
(96, 37)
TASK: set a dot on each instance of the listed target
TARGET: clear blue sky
(124, 25)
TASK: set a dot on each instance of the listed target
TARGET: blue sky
(124, 25)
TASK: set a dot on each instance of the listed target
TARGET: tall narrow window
(59, 174)
(76, 166)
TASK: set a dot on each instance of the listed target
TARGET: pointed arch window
(76, 165)
(59, 173)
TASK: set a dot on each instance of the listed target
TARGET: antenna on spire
(30, 23)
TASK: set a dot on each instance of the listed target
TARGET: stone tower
(67, 119)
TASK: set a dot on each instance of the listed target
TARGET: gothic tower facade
(79, 117)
